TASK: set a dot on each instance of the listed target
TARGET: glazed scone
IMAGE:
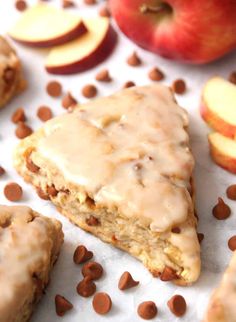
(120, 167)
(11, 79)
(29, 246)
(221, 307)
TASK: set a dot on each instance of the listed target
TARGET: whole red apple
(195, 31)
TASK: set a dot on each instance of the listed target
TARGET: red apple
(86, 51)
(45, 26)
(188, 30)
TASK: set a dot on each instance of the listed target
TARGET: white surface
(211, 182)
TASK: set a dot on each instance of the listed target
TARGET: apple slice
(45, 26)
(85, 52)
(223, 151)
(218, 106)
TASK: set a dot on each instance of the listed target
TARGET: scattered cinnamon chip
(67, 4)
(128, 84)
(104, 12)
(176, 230)
(156, 74)
(134, 60)
(13, 191)
(18, 116)
(20, 5)
(221, 210)
(23, 130)
(2, 171)
(62, 305)
(44, 113)
(232, 77)
(43, 195)
(168, 274)
(52, 191)
(179, 86)
(68, 101)
(231, 192)
(92, 221)
(126, 281)
(86, 287)
(200, 237)
(177, 305)
(54, 89)
(9, 75)
(103, 76)
(90, 2)
(89, 91)
(93, 270)
(31, 166)
(81, 255)
(102, 303)
(147, 310)
(232, 243)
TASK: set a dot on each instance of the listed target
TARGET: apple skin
(195, 32)
(224, 161)
(100, 54)
(217, 123)
(78, 31)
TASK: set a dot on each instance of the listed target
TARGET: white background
(211, 182)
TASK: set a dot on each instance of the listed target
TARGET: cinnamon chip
(90, 2)
(156, 74)
(179, 86)
(126, 281)
(102, 303)
(52, 191)
(176, 230)
(147, 310)
(92, 221)
(103, 76)
(62, 305)
(18, 116)
(128, 84)
(86, 287)
(68, 101)
(44, 113)
(31, 166)
(43, 195)
(232, 243)
(20, 5)
(13, 191)
(200, 237)
(54, 89)
(89, 91)
(104, 12)
(168, 274)
(67, 4)
(81, 255)
(221, 211)
(2, 171)
(9, 75)
(232, 77)
(231, 192)
(134, 60)
(23, 130)
(177, 305)
(93, 270)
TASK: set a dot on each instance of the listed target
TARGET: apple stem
(154, 9)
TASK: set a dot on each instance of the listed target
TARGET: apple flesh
(191, 31)
(85, 52)
(46, 26)
(223, 151)
(218, 106)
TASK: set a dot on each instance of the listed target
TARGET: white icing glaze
(129, 151)
(25, 248)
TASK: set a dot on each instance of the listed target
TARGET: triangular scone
(29, 246)
(11, 79)
(222, 305)
(120, 167)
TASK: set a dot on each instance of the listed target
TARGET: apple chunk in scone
(124, 174)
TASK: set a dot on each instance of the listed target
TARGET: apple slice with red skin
(45, 26)
(218, 106)
(85, 52)
(223, 151)
(191, 31)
